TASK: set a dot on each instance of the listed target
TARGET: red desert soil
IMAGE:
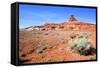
(49, 46)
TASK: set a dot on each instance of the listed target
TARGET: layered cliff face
(51, 42)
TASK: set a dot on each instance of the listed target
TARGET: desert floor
(51, 46)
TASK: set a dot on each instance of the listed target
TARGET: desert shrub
(93, 58)
(80, 45)
(53, 27)
(84, 34)
(73, 35)
(42, 47)
(61, 27)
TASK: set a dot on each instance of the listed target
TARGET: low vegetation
(81, 45)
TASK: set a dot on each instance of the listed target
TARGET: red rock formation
(71, 23)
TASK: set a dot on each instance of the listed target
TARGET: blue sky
(36, 15)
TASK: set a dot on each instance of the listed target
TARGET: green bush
(83, 34)
(80, 45)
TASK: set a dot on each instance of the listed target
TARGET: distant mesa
(33, 28)
(71, 24)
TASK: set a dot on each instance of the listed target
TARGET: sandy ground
(50, 46)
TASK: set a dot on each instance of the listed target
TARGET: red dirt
(57, 50)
